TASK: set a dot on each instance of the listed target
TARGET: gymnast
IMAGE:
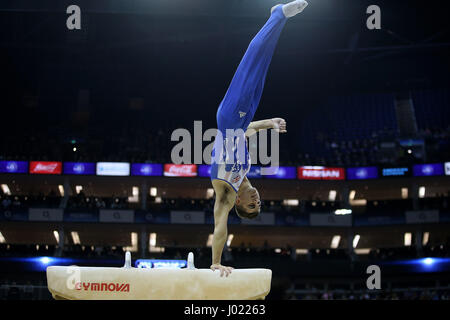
(230, 157)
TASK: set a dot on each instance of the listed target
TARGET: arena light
(301, 251)
(75, 237)
(277, 250)
(152, 242)
(291, 202)
(153, 191)
(230, 238)
(134, 240)
(407, 238)
(332, 195)
(158, 200)
(135, 195)
(341, 212)
(2, 238)
(209, 241)
(78, 189)
(425, 238)
(356, 240)
(56, 235)
(61, 190)
(358, 202)
(152, 239)
(209, 193)
(134, 243)
(428, 264)
(6, 190)
(422, 192)
(352, 195)
(404, 193)
(335, 241)
(363, 251)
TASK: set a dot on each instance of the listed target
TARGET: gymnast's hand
(223, 269)
(279, 125)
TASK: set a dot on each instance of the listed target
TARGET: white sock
(292, 8)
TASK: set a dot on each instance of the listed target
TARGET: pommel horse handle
(127, 260)
(190, 261)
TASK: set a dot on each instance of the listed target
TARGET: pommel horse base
(127, 283)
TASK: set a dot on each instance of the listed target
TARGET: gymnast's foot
(292, 8)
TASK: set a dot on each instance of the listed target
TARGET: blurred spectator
(6, 203)
(13, 292)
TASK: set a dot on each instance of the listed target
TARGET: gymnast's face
(248, 202)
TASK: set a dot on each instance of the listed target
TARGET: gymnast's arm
(278, 124)
(225, 199)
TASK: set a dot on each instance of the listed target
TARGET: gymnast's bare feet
(223, 269)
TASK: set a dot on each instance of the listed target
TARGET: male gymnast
(230, 157)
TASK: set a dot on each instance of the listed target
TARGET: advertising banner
(144, 169)
(45, 167)
(180, 170)
(113, 169)
(187, 217)
(283, 173)
(254, 173)
(330, 220)
(80, 217)
(396, 172)
(263, 219)
(79, 168)
(13, 166)
(151, 217)
(362, 173)
(204, 170)
(429, 216)
(44, 214)
(320, 173)
(430, 169)
(116, 216)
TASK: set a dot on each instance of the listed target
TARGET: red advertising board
(180, 170)
(45, 167)
(321, 173)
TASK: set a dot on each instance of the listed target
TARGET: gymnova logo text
(113, 287)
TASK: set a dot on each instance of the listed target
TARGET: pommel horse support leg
(128, 283)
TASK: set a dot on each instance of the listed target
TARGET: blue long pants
(244, 93)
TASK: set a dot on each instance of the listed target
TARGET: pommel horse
(129, 283)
